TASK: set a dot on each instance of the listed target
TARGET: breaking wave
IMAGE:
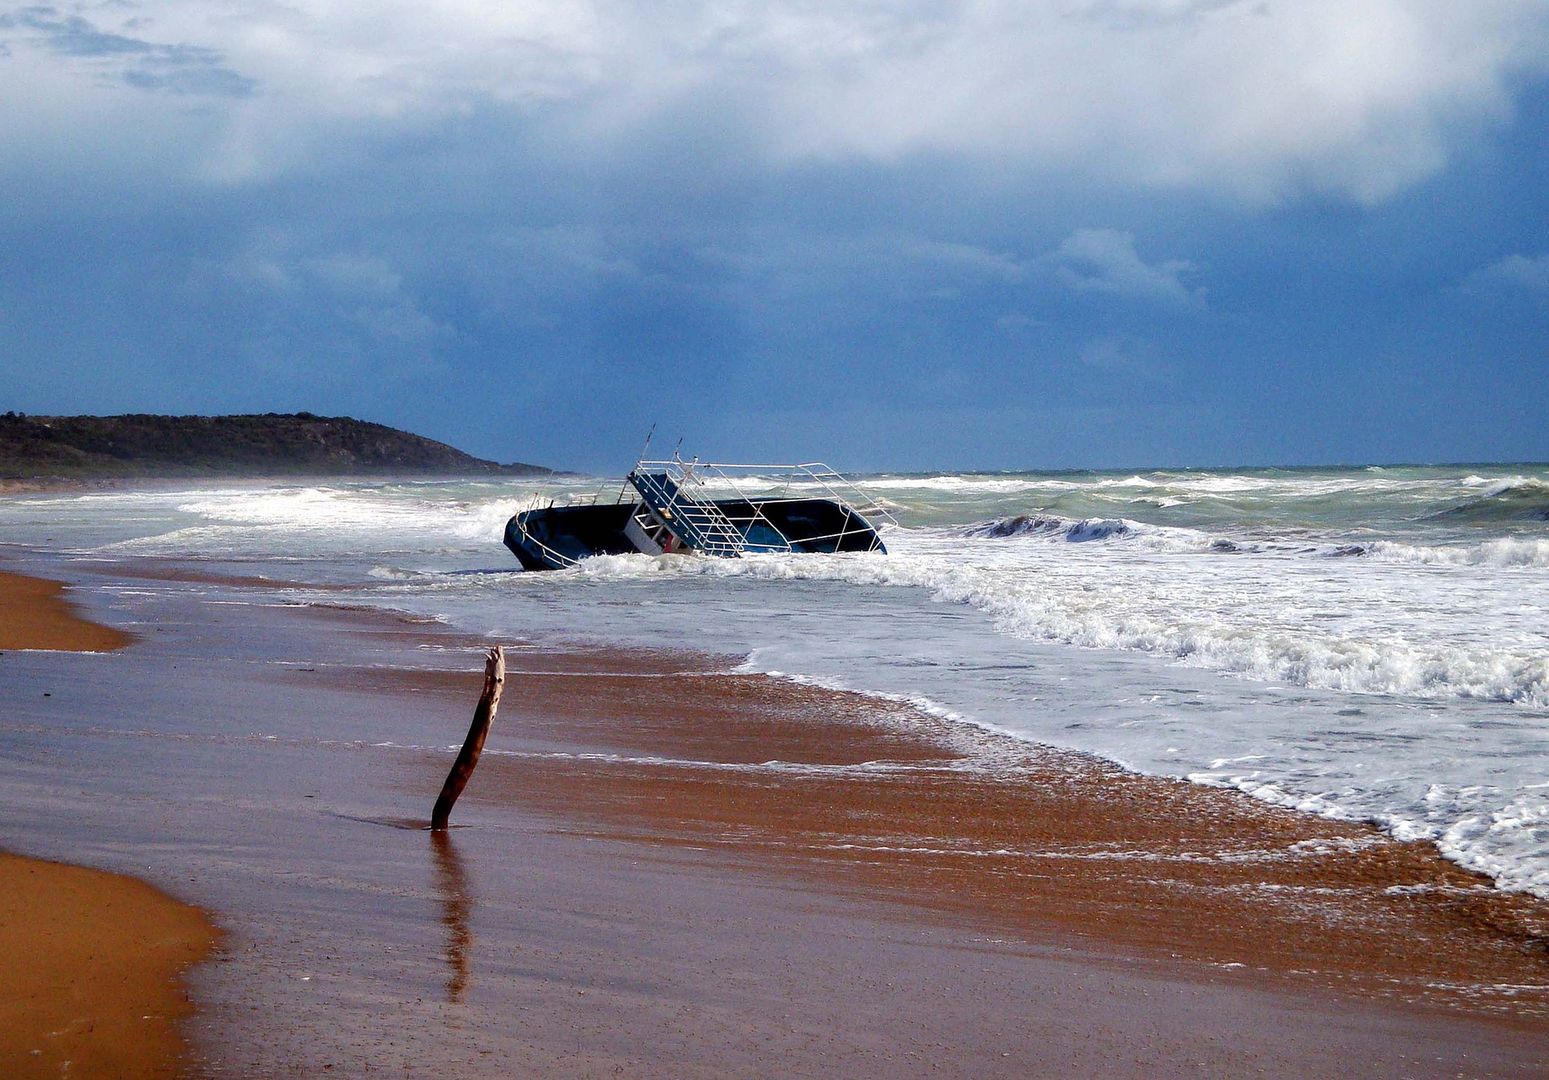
(1153, 537)
(1518, 498)
(1509, 551)
(1028, 603)
(1505, 552)
(1038, 525)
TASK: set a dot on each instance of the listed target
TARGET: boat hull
(557, 537)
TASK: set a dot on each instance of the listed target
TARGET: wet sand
(90, 985)
(874, 798)
(34, 614)
(665, 868)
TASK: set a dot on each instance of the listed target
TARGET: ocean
(1362, 643)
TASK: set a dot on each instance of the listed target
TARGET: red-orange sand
(89, 976)
(874, 797)
(35, 615)
(89, 983)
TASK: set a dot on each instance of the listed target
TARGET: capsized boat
(806, 508)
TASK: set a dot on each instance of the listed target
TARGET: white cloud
(363, 297)
(906, 266)
(1258, 99)
(1105, 260)
(362, 275)
(1125, 358)
(1514, 272)
(959, 258)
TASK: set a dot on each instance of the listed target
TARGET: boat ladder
(716, 535)
(699, 524)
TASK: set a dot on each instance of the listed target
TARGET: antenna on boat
(625, 485)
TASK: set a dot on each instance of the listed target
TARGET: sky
(912, 235)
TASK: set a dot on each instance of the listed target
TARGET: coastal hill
(267, 444)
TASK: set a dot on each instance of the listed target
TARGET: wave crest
(1041, 525)
(1507, 551)
(1517, 498)
(1162, 538)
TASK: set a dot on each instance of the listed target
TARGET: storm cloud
(1030, 217)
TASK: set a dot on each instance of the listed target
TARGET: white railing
(565, 561)
(713, 532)
(695, 479)
(779, 478)
(540, 502)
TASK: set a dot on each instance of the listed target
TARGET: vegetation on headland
(267, 444)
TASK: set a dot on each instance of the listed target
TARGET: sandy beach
(91, 982)
(90, 986)
(35, 614)
(663, 867)
(875, 799)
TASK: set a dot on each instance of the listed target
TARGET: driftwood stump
(468, 757)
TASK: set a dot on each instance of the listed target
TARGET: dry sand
(89, 986)
(90, 982)
(34, 614)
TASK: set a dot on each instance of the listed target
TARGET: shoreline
(718, 861)
(35, 613)
(95, 972)
(865, 796)
(96, 961)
